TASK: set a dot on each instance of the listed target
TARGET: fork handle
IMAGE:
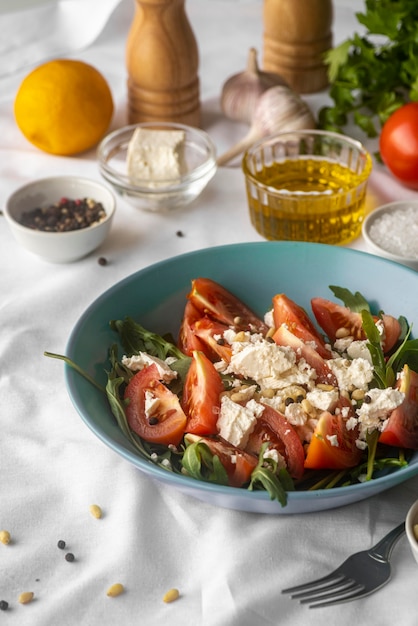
(383, 549)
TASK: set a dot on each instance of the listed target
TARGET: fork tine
(350, 588)
(361, 593)
(314, 584)
(340, 586)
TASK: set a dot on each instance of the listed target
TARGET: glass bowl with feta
(158, 166)
(391, 231)
(156, 297)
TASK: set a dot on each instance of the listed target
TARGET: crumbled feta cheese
(151, 403)
(333, 439)
(322, 399)
(236, 422)
(357, 373)
(271, 366)
(272, 453)
(342, 344)
(294, 414)
(137, 362)
(373, 415)
(268, 319)
(359, 350)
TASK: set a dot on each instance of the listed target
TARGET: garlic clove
(240, 93)
(279, 109)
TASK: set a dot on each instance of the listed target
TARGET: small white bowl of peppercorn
(61, 218)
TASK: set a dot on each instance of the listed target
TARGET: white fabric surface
(229, 566)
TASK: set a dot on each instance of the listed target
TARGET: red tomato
(272, 426)
(285, 311)
(201, 396)
(210, 334)
(398, 144)
(402, 427)
(238, 464)
(188, 341)
(283, 337)
(170, 419)
(332, 316)
(213, 300)
(322, 454)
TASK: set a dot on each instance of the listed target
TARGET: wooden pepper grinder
(296, 35)
(162, 62)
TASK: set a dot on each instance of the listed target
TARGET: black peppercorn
(4, 605)
(69, 557)
(61, 544)
(64, 216)
(153, 421)
(102, 261)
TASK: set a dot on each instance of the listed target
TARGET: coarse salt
(397, 232)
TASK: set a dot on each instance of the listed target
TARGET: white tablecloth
(229, 566)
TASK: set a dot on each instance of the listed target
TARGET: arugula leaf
(373, 73)
(199, 463)
(383, 375)
(135, 338)
(266, 475)
(355, 302)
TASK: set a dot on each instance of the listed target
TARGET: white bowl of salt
(391, 231)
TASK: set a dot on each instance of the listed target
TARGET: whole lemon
(64, 106)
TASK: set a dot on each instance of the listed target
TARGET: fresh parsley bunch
(373, 74)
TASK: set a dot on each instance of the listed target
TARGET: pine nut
(325, 387)
(5, 537)
(171, 595)
(358, 394)
(96, 511)
(26, 597)
(307, 407)
(240, 336)
(270, 332)
(115, 590)
(342, 332)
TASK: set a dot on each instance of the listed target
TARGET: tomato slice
(238, 464)
(332, 316)
(272, 426)
(210, 334)
(165, 422)
(201, 396)
(333, 446)
(213, 300)
(287, 312)
(187, 339)
(402, 427)
(283, 337)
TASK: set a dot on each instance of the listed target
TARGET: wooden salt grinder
(296, 35)
(162, 62)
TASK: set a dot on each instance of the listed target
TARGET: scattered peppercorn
(64, 215)
(102, 261)
(153, 421)
(61, 544)
(288, 401)
(4, 605)
(367, 399)
(69, 557)
(180, 233)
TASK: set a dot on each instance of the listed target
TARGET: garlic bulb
(240, 93)
(279, 109)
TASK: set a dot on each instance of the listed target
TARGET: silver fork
(361, 574)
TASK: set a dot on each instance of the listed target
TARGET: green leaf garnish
(199, 463)
(354, 301)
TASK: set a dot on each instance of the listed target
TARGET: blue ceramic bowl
(155, 296)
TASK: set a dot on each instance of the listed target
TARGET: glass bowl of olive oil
(307, 185)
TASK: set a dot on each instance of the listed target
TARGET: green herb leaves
(374, 73)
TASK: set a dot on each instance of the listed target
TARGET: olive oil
(307, 199)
